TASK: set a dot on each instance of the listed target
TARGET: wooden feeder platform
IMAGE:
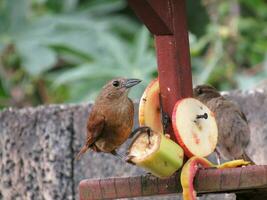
(166, 20)
(247, 182)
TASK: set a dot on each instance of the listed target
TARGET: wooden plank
(250, 178)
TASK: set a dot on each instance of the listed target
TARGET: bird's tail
(82, 151)
(247, 158)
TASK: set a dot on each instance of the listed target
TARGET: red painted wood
(173, 59)
(150, 17)
(123, 187)
(162, 8)
(90, 189)
(172, 48)
(108, 188)
(135, 186)
(238, 180)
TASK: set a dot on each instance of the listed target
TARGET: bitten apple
(155, 153)
(190, 169)
(149, 107)
(195, 127)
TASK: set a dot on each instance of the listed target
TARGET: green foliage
(64, 51)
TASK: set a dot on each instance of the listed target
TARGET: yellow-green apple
(149, 107)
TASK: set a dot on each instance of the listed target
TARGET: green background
(54, 51)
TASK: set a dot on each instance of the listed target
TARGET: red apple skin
(177, 134)
(191, 167)
(187, 152)
(188, 173)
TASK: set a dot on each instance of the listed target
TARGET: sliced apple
(187, 176)
(190, 169)
(233, 164)
(195, 127)
(149, 107)
(155, 153)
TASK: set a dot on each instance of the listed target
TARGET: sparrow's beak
(131, 82)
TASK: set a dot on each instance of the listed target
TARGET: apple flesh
(149, 107)
(190, 169)
(194, 127)
(156, 153)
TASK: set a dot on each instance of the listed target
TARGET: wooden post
(166, 20)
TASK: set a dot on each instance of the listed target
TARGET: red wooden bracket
(166, 19)
(251, 179)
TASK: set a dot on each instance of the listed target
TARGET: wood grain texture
(238, 180)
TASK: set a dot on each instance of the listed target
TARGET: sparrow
(111, 120)
(233, 129)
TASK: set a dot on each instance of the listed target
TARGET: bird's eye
(116, 83)
(199, 91)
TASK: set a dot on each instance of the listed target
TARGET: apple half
(194, 127)
(155, 153)
(190, 169)
(149, 107)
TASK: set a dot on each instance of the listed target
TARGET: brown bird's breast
(118, 126)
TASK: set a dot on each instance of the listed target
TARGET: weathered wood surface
(235, 180)
(38, 146)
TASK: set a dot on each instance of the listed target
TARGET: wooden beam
(152, 18)
(238, 180)
(173, 57)
(166, 19)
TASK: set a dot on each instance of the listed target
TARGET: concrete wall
(38, 146)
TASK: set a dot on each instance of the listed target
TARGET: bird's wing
(95, 127)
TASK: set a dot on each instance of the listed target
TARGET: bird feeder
(166, 20)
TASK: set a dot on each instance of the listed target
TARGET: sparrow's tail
(247, 158)
(82, 151)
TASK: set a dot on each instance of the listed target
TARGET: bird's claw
(128, 159)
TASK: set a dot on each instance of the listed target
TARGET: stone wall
(38, 147)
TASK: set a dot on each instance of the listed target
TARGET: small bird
(111, 120)
(233, 129)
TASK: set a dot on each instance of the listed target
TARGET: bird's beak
(131, 82)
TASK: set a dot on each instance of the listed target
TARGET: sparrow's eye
(116, 83)
(199, 91)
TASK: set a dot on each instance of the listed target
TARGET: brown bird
(111, 119)
(233, 129)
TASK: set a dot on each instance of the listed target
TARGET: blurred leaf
(115, 58)
(36, 58)
(103, 7)
(13, 15)
(84, 72)
(141, 45)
